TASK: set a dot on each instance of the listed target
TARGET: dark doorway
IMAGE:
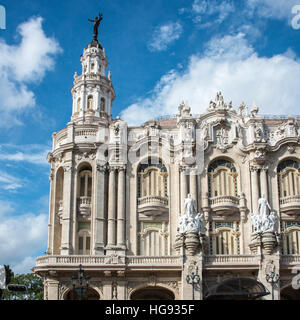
(237, 289)
(90, 294)
(152, 293)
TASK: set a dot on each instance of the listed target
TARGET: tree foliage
(34, 285)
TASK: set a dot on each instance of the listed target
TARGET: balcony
(108, 262)
(153, 205)
(231, 261)
(290, 260)
(84, 207)
(224, 205)
(290, 205)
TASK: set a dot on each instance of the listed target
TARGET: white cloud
(209, 12)
(22, 65)
(21, 237)
(9, 182)
(164, 35)
(230, 65)
(271, 9)
(34, 154)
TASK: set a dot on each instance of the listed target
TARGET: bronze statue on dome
(96, 22)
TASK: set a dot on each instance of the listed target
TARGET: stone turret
(93, 92)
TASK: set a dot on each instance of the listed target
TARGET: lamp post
(81, 289)
(272, 278)
(193, 278)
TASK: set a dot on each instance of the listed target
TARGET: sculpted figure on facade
(265, 219)
(243, 111)
(254, 110)
(184, 110)
(190, 221)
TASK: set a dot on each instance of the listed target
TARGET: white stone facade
(117, 194)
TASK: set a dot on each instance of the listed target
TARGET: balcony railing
(232, 260)
(290, 204)
(152, 205)
(291, 259)
(224, 204)
(84, 206)
(145, 260)
(153, 199)
(105, 261)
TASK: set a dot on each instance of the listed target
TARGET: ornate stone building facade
(142, 208)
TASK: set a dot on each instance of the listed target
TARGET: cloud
(271, 9)
(211, 12)
(231, 65)
(22, 65)
(164, 35)
(34, 154)
(21, 237)
(9, 182)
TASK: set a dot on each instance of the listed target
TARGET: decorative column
(111, 227)
(183, 184)
(99, 226)
(264, 182)
(254, 188)
(121, 231)
(193, 186)
(67, 213)
(51, 220)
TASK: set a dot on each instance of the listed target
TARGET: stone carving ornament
(265, 219)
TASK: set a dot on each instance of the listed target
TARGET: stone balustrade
(224, 204)
(86, 132)
(153, 199)
(145, 260)
(131, 261)
(291, 259)
(85, 201)
(222, 199)
(232, 260)
(290, 204)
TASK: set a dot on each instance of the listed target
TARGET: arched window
(152, 180)
(153, 239)
(224, 238)
(90, 102)
(102, 104)
(78, 104)
(222, 179)
(85, 177)
(84, 242)
(84, 202)
(291, 237)
(288, 173)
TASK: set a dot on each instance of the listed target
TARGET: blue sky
(160, 53)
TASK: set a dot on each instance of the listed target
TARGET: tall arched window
(84, 193)
(152, 180)
(222, 179)
(288, 173)
(85, 183)
(90, 102)
(102, 104)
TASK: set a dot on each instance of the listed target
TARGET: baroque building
(144, 210)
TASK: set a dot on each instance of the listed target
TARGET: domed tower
(93, 92)
(79, 201)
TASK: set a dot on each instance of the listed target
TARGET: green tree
(34, 285)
